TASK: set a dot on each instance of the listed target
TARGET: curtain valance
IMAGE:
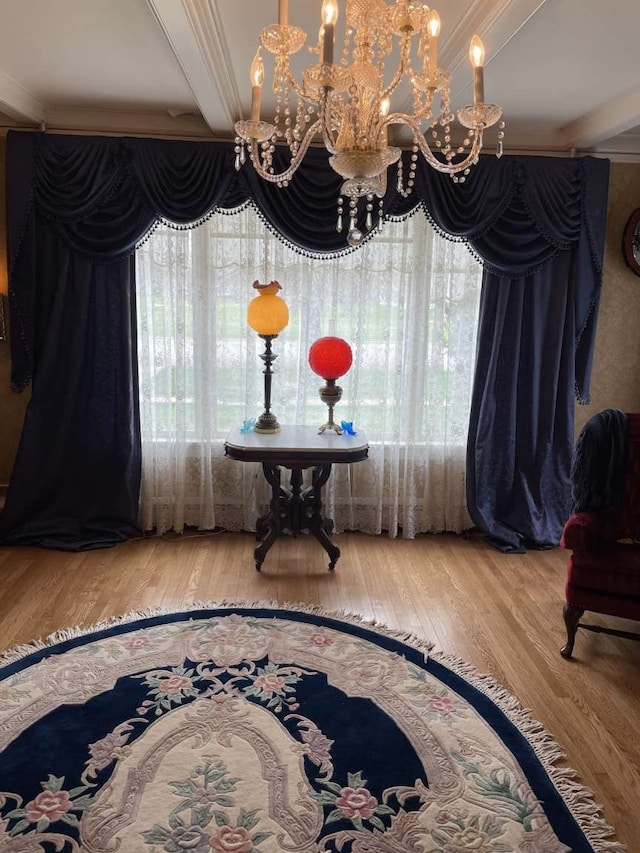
(103, 194)
(516, 212)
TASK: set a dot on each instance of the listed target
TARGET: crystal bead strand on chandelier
(348, 104)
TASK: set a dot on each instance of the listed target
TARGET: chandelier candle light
(330, 358)
(267, 315)
(348, 103)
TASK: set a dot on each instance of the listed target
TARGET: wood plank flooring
(502, 613)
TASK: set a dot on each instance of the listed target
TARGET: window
(407, 302)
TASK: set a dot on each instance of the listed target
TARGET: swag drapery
(77, 207)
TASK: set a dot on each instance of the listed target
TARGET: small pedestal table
(295, 509)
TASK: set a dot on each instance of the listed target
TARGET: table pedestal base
(294, 510)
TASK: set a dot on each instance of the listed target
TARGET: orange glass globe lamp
(268, 315)
(330, 358)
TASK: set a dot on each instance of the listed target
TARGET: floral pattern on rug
(239, 733)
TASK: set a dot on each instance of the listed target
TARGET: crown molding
(127, 122)
(18, 102)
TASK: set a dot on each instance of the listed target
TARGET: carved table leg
(295, 516)
(268, 527)
(321, 527)
(262, 527)
(572, 621)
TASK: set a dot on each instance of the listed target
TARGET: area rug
(235, 728)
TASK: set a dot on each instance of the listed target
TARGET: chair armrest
(586, 531)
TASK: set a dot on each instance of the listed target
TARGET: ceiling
(566, 72)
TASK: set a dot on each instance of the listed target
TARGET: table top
(297, 444)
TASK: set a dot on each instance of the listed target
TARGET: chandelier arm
(390, 89)
(380, 132)
(325, 119)
(449, 168)
(373, 123)
(397, 77)
(420, 140)
(272, 178)
(383, 186)
(426, 113)
(298, 89)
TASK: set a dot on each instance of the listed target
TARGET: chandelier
(348, 103)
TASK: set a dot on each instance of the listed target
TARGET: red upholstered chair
(603, 572)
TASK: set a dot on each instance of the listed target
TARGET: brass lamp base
(330, 394)
(267, 423)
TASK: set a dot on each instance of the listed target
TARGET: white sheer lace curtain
(407, 302)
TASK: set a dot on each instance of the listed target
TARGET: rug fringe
(579, 799)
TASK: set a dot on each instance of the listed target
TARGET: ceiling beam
(20, 103)
(616, 116)
(194, 31)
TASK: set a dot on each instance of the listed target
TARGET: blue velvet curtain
(538, 224)
(521, 425)
(77, 207)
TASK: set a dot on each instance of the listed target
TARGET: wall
(616, 371)
(615, 381)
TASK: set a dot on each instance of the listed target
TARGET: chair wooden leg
(571, 620)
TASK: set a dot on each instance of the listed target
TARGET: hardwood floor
(503, 613)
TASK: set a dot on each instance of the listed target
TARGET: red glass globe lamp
(330, 358)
